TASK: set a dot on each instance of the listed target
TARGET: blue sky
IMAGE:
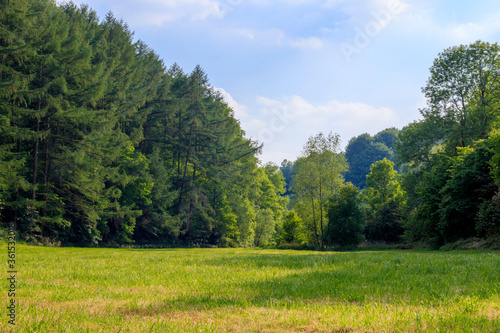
(293, 68)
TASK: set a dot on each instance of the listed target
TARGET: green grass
(245, 290)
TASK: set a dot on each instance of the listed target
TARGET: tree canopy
(449, 155)
(101, 143)
(364, 150)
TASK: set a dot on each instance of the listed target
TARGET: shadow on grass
(296, 290)
(183, 304)
(295, 279)
(293, 291)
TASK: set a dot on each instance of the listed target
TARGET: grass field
(245, 290)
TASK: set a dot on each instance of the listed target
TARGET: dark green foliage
(385, 224)
(346, 218)
(469, 186)
(450, 155)
(387, 136)
(488, 218)
(156, 224)
(101, 144)
(417, 142)
(423, 224)
(291, 228)
(288, 170)
(462, 93)
(364, 150)
(457, 198)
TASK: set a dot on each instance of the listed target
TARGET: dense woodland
(102, 144)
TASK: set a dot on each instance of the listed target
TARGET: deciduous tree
(318, 176)
(346, 218)
(385, 199)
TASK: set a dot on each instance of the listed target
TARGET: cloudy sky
(293, 68)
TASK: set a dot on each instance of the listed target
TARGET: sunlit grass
(244, 290)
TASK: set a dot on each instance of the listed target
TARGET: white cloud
(285, 124)
(393, 6)
(421, 23)
(271, 2)
(358, 114)
(306, 43)
(465, 31)
(252, 37)
(362, 12)
(356, 6)
(470, 31)
(269, 38)
(246, 33)
(160, 12)
(240, 111)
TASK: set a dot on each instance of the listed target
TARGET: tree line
(451, 155)
(326, 209)
(102, 144)
(435, 182)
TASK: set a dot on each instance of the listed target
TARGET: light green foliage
(264, 227)
(383, 185)
(225, 226)
(245, 210)
(278, 201)
(385, 199)
(346, 218)
(272, 186)
(245, 290)
(264, 220)
(495, 159)
(318, 176)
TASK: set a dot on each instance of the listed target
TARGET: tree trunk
(35, 159)
(46, 167)
(37, 141)
(321, 208)
(188, 151)
(314, 223)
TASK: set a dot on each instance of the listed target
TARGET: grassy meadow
(250, 290)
